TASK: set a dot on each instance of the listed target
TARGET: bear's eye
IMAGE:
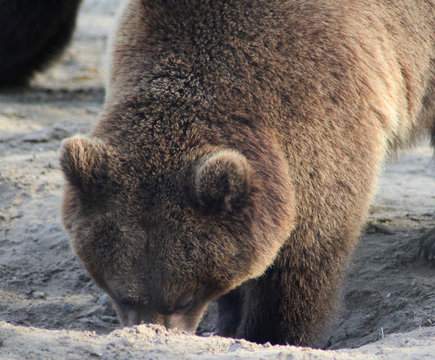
(184, 303)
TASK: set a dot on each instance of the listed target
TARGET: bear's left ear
(223, 181)
(84, 162)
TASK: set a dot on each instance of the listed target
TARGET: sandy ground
(51, 309)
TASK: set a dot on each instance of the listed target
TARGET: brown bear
(237, 154)
(32, 33)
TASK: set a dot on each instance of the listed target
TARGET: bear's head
(166, 239)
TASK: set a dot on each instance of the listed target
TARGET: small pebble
(235, 347)
(124, 342)
(39, 295)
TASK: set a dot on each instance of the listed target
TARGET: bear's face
(164, 242)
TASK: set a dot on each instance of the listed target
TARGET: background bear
(32, 33)
(238, 149)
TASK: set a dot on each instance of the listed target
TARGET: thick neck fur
(218, 54)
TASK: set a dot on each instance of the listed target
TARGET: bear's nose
(175, 320)
(170, 321)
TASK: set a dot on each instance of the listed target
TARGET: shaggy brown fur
(238, 149)
(32, 33)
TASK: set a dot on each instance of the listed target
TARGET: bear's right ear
(223, 181)
(85, 162)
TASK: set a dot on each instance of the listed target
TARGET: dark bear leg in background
(269, 315)
(293, 302)
(33, 33)
(229, 312)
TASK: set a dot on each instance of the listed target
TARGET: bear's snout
(184, 322)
